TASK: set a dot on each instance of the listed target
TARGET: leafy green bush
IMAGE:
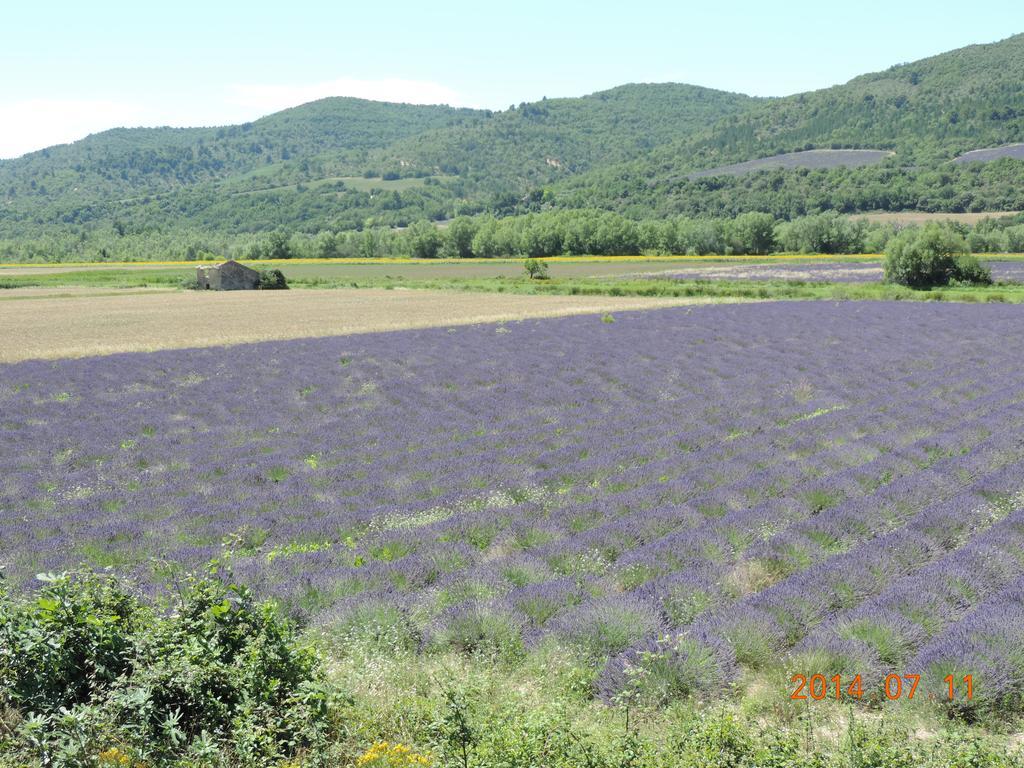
(931, 256)
(86, 666)
(979, 241)
(70, 643)
(272, 280)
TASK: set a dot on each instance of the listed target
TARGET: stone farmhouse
(229, 276)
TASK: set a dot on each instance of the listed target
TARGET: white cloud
(267, 98)
(32, 124)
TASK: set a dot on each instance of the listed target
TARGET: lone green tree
(932, 256)
(536, 269)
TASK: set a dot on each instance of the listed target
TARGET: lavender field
(696, 492)
(820, 272)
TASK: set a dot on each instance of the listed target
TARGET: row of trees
(574, 233)
(551, 233)
(993, 236)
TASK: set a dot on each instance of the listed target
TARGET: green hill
(542, 142)
(928, 110)
(642, 150)
(297, 160)
(926, 113)
(140, 160)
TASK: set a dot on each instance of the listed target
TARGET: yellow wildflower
(114, 756)
(384, 754)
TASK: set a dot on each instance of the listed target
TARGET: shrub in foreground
(932, 256)
(86, 667)
(91, 676)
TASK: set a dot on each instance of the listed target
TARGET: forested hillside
(347, 164)
(307, 168)
(929, 110)
(927, 113)
(538, 143)
(135, 161)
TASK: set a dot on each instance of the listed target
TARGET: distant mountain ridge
(641, 149)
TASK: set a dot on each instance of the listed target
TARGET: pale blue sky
(71, 68)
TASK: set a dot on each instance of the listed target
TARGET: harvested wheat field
(80, 325)
(77, 292)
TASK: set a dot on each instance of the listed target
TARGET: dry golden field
(55, 323)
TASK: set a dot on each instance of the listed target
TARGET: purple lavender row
(760, 628)
(257, 477)
(625, 532)
(987, 643)
(620, 534)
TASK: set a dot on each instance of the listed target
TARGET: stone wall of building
(229, 276)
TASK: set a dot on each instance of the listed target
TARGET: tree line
(534, 235)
